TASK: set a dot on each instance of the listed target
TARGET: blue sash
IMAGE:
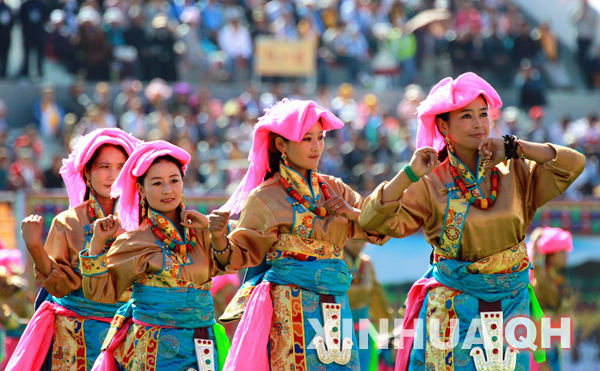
(326, 276)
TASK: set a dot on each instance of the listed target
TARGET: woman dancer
(474, 209)
(299, 220)
(548, 249)
(73, 325)
(169, 322)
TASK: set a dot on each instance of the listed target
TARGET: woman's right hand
(32, 228)
(424, 160)
(107, 228)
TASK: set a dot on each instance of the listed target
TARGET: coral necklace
(169, 242)
(482, 203)
(172, 245)
(319, 211)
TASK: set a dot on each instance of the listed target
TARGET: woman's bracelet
(411, 174)
(221, 252)
(511, 147)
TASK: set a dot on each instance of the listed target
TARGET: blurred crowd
(375, 143)
(404, 41)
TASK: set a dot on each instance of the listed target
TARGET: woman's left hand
(194, 219)
(337, 206)
(492, 149)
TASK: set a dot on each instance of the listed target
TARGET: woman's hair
(140, 179)
(92, 161)
(274, 155)
(443, 153)
(168, 158)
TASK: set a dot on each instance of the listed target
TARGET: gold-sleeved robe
(136, 257)
(77, 338)
(158, 339)
(524, 186)
(487, 243)
(269, 214)
(64, 242)
(274, 225)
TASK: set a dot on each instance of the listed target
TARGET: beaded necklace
(164, 229)
(95, 210)
(482, 203)
(310, 205)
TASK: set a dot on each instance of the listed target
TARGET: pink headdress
(72, 167)
(12, 260)
(137, 164)
(289, 118)
(551, 240)
(449, 95)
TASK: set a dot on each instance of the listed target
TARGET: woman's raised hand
(194, 219)
(424, 160)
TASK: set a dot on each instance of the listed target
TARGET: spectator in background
(93, 48)
(102, 102)
(370, 120)
(161, 42)
(234, 40)
(508, 124)
(33, 17)
(554, 71)
(24, 172)
(6, 23)
(124, 56)
(407, 107)
(181, 95)
(212, 17)
(403, 45)
(3, 122)
(134, 119)
(59, 46)
(160, 121)
(135, 35)
(353, 52)
(78, 100)
(192, 55)
(48, 113)
(586, 23)
(284, 27)
(4, 169)
(497, 56)
(538, 133)
(595, 69)
(525, 45)
(559, 131)
(52, 178)
(30, 138)
(530, 85)
(130, 90)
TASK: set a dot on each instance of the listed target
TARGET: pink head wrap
(551, 240)
(289, 118)
(11, 259)
(72, 167)
(137, 164)
(449, 95)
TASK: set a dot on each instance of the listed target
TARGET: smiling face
(467, 127)
(105, 169)
(162, 186)
(304, 155)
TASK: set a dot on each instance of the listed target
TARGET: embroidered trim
(92, 265)
(304, 249)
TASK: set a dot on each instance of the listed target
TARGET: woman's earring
(143, 205)
(284, 158)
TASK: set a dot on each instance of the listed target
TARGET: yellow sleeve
(397, 218)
